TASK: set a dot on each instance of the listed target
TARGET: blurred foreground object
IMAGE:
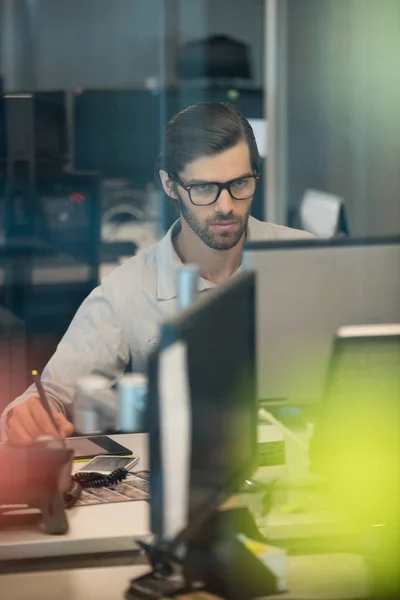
(356, 445)
(35, 476)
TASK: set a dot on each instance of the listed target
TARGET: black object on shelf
(218, 56)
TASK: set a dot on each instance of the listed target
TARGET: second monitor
(306, 290)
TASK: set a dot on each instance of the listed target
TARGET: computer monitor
(202, 407)
(356, 441)
(356, 444)
(306, 290)
(118, 133)
(35, 126)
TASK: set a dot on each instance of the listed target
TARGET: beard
(217, 240)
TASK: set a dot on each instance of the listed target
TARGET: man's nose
(224, 203)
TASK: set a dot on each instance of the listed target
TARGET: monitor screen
(356, 442)
(34, 126)
(118, 133)
(218, 336)
(306, 290)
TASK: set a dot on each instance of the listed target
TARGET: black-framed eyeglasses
(208, 192)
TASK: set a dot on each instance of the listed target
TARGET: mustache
(224, 219)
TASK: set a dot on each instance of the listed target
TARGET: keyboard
(271, 454)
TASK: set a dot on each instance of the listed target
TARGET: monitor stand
(215, 561)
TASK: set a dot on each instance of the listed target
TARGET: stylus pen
(43, 398)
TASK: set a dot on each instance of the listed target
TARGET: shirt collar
(168, 261)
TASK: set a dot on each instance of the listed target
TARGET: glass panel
(80, 128)
(218, 57)
(87, 87)
(343, 98)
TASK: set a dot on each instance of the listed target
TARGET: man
(209, 168)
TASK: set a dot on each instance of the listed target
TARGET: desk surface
(323, 577)
(97, 529)
(92, 529)
(48, 270)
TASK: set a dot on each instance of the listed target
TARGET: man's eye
(203, 187)
(239, 183)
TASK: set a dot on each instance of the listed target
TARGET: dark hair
(204, 129)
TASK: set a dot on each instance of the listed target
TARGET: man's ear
(168, 184)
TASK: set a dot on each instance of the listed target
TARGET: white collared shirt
(119, 322)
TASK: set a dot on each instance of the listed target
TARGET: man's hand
(29, 420)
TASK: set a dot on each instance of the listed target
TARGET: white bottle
(187, 284)
(95, 405)
(132, 403)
